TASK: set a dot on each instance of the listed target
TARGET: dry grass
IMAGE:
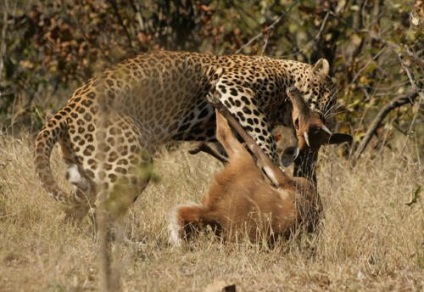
(370, 240)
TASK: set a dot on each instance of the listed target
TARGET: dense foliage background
(375, 48)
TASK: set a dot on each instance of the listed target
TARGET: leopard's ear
(322, 68)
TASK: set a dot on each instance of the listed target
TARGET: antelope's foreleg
(203, 147)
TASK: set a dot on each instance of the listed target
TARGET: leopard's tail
(54, 131)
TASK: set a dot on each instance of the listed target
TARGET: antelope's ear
(322, 68)
(339, 138)
(289, 155)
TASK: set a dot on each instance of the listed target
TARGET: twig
(321, 29)
(414, 86)
(266, 40)
(407, 71)
(3, 38)
(270, 27)
(375, 57)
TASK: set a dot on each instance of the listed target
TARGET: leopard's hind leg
(124, 165)
(83, 187)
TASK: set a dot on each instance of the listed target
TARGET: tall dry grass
(371, 238)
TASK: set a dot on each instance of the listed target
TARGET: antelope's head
(311, 132)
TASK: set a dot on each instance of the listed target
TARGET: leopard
(112, 126)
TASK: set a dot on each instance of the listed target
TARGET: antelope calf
(246, 200)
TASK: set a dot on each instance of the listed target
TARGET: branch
(394, 103)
